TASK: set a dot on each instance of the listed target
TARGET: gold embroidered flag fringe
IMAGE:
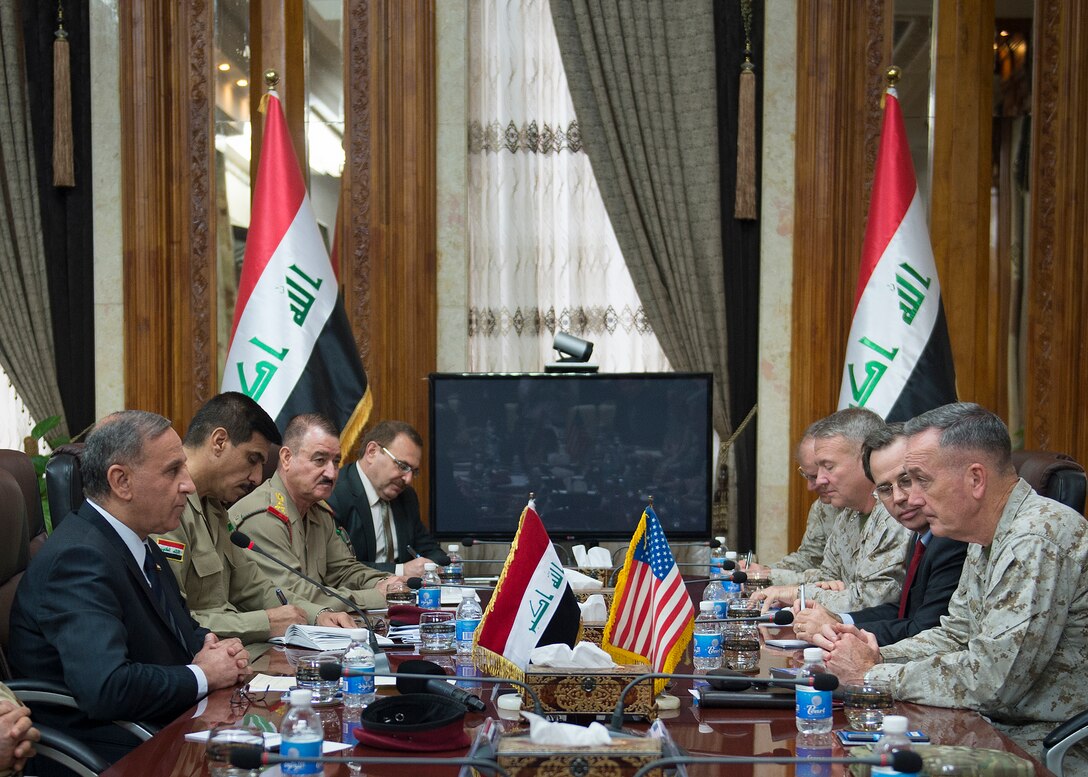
(353, 430)
(487, 660)
(63, 164)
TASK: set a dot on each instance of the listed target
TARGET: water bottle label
(731, 587)
(813, 705)
(890, 771)
(293, 749)
(708, 646)
(454, 569)
(429, 598)
(466, 628)
(716, 565)
(809, 769)
(721, 608)
(361, 684)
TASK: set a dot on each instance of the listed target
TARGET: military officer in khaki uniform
(1016, 632)
(226, 448)
(287, 517)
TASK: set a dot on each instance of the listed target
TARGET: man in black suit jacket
(97, 609)
(376, 491)
(932, 578)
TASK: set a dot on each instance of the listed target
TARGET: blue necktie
(152, 571)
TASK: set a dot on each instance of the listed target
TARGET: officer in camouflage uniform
(863, 558)
(1014, 639)
(226, 447)
(287, 517)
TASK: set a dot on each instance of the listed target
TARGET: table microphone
(332, 670)
(381, 660)
(254, 757)
(906, 761)
(778, 618)
(821, 682)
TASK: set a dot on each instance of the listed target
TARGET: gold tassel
(745, 205)
(63, 165)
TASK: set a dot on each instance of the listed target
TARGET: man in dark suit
(375, 502)
(97, 609)
(933, 563)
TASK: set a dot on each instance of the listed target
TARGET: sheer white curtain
(542, 254)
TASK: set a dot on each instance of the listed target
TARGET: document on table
(320, 637)
(272, 741)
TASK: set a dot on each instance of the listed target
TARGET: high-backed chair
(1053, 475)
(13, 555)
(63, 482)
(22, 469)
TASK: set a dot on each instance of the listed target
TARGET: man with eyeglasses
(375, 502)
(287, 516)
(933, 563)
(863, 557)
(1016, 632)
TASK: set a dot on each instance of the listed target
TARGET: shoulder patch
(280, 505)
(279, 513)
(175, 551)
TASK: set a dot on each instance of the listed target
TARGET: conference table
(699, 731)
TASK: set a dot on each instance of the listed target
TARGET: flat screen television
(591, 448)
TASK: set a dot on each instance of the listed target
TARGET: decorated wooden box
(622, 757)
(585, 695)
(607, 593)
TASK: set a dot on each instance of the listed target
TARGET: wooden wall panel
(842, 51)
(1057, 349)
(277, 42)
(167, 206)
(390, 269)
(971, 284)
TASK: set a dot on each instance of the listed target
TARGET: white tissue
(580, 582)
(585, 655)
(599, 558)
(543, 732)
(581, 558)
(594, 610)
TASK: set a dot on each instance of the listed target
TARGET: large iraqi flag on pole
(898, 358)
(291, 346)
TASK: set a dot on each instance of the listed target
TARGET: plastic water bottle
(469, 613)
(813, 707)
(715, 594)
(430, 594)
(301, 734)
(893, 738)
(358, 675)
(732, 590)
(717, 556)
(454, 572)
(707, 639)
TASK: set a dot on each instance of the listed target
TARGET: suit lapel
(400, 521)
(365, 529)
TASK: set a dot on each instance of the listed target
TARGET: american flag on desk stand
(652, 615)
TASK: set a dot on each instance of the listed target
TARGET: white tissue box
(585, 695)
(522, 758)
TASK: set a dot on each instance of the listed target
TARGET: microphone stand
(381, 660)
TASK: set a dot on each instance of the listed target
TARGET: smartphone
(851, 738)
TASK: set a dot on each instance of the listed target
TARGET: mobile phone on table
(851, 738)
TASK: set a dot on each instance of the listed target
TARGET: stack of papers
(271, 741)
(321, 637)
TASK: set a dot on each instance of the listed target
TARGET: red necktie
(916, 559)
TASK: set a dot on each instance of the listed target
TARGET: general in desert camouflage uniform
(224, 587)
(1016, 632)
(312, 543)
(810, 553)
(866, 552)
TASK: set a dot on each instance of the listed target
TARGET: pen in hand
(280, 595)
(413, 552)
(801, 596)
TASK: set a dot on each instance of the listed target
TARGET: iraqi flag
(898, 358)
(291, 346)
(532, 605)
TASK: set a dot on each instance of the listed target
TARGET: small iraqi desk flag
(291, 347)
(533, 604)
(898, 357)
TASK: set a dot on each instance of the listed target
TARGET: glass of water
(308, 675)
(865, 703)
(437, 632)
(227, 737)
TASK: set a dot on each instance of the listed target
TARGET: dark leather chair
(22, 469)
(1053, 475)
(63, 482)
(14, 554)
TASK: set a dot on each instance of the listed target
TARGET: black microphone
(381, 660)
(254, 757)
(728, 680)
(906, 761)
(778, 618)
(429, 669)
(617, 714)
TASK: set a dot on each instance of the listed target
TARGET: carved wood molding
(1057, 367)
(838, 126)
(167, 206)
(355, 272)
